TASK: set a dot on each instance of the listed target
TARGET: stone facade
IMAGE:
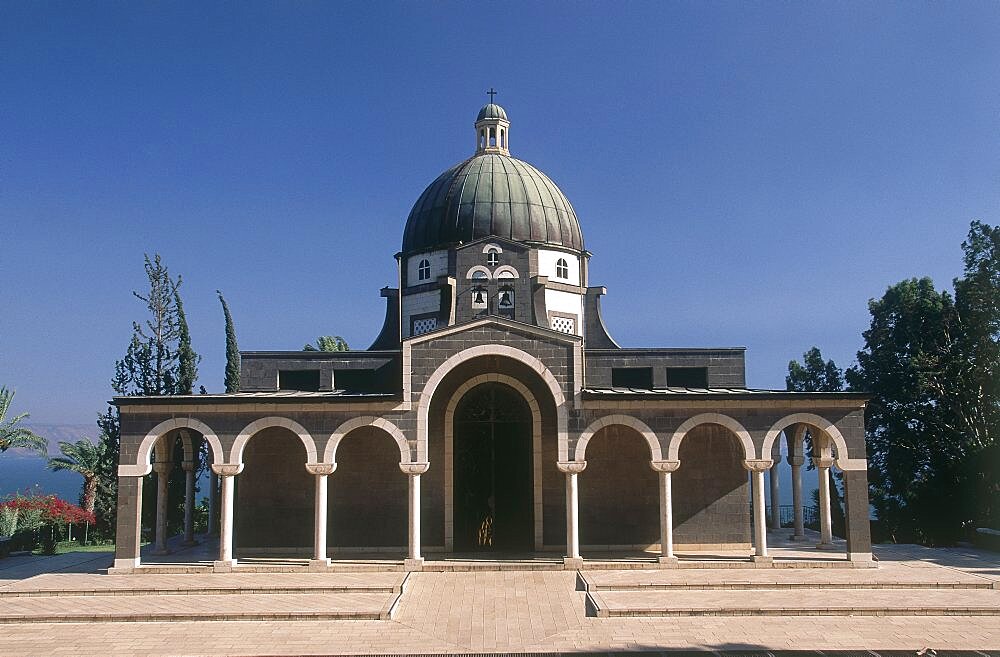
(415, 446)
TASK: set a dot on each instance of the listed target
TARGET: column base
(223, 566)
(862, 559)
(124, 566)
(318, 564)
(411, 565)
(189, 542)
(826, 546)
(797, 537)
(667, 561)
(762, 559)
(161, 552)
(572, 563)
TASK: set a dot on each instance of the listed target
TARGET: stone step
(207, 584)
(887, 577)
(765, 602)
(198, 607)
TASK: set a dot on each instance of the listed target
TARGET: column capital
(321, 469)
(823, 461)
(414, 468)
(571, 467)
(796, 460)
(758, 465)
(665, 466)
(140, 470)
(227, 469)
(163, 467)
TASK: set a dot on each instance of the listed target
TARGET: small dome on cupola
(491, 111)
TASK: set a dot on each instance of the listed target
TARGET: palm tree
(84, 458)
(12, 435)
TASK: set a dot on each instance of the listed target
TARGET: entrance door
(493, 485)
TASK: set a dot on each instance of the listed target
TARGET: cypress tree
(232, 350)
(187, 359)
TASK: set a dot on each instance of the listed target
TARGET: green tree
(328, 343)
(187, 359)
(232, 350)
(84, 458)
(932, 362)
(152, 366)
(12, 434)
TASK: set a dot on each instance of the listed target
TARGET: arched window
(492, 258)
(562, 269)
(479, 275)
(493, 137)
(424, 270)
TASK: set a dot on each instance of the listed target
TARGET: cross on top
(492, 92)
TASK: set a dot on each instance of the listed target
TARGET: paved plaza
(916, 598)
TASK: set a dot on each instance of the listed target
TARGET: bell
(478, 298)
(505, 299)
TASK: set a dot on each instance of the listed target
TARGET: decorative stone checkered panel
(426, 325)
(564, 324)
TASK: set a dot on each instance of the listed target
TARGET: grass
(64, 547)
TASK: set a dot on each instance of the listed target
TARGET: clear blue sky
(745, 173)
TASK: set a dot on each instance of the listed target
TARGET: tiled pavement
(495, 611)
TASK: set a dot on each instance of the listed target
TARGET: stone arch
(449, 449)
(823, 425)
(330, 453)
(143, 465)
(481, 270)
(749, 451)
(505, 269)
(580, 454)
(424, 405)
(236, 455)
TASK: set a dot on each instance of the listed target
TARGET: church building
(493, 415)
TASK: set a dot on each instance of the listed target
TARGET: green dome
(491, 111)
(491, 194)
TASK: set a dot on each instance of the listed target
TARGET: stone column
(413, 470)
(757, 468)
(228, 472)
(189, 468)
(162, 470)
(213, 504)
(856, 514)
(129, 522)
(322, 471)
(772, 475)
(665, 470)
(825, 523)
(571, 469)
(799, 531)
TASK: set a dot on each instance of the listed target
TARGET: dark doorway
(493, 484)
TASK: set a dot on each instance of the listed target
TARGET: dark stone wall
(726, 368)
(274, 493)
(367, 495)
(711, 490)
(619, 497)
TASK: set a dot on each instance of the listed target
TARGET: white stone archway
(580, 453)
(827, 428)
(330, 453)
(449, 453)
(427, 394)
(236, 454)
(143, 463)
(749, 451)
